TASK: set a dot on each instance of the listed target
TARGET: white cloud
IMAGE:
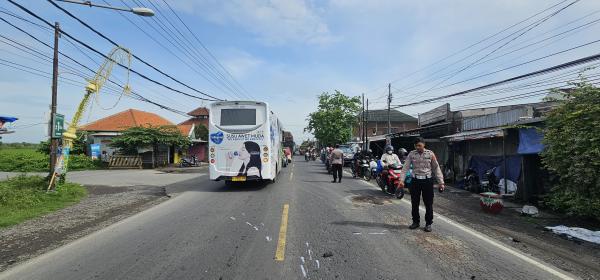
(274, 22)
(240, 63)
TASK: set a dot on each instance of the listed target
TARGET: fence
(124, 162)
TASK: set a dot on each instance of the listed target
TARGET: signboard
(58, 126)
(61, 162)
(95, 151)
(435, 115)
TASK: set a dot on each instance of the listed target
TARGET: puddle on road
(369, 199)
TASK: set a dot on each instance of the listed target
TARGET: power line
(117, 45)
(30, 50)
(205, 48)
(215, 73)
(534, 25)
(162, 45)
(473, 45)
(513, 79)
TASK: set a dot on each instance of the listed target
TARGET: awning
(7, 119)
(475, 134)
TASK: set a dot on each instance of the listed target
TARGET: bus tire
(275, 178)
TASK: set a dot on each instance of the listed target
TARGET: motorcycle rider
(424, 168)
(356, 161)
(389, 157)
(402, 154)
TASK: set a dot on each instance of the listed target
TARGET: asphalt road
(326, 231)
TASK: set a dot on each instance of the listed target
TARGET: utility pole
(362, 122)
(367, 123)
(389, 130)
(54, 141)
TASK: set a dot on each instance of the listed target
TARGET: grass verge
(24, 197)
(31, 160)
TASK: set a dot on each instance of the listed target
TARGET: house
(199, 147)
(504, 137)
(377, 123)
(105, 129)
(198, 116)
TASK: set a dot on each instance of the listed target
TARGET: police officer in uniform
(426, 169)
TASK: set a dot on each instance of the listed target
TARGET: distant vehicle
(244, 142)
(287, 151)
(348, 154)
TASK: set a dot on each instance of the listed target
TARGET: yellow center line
(280, 252)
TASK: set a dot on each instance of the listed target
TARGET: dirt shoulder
(103, 206)
(526, 234)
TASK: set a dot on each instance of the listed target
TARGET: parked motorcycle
(192, 161)
(471, 180)
(491, 182)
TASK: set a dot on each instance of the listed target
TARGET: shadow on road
(369, 225)
(240, 186)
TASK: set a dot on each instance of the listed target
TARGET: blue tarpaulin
(530, 141)
(483, 163)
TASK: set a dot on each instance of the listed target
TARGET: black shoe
(427, 228)
(413, 226)
(339, 181)
(334, 181)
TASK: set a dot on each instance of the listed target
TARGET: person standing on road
(425, 169)
(337, 161)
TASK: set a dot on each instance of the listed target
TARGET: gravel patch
(103, 206)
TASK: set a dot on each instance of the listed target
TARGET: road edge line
(529, 259)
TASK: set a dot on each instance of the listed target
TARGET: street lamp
(140, 11)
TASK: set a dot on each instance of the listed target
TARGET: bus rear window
(238, 116)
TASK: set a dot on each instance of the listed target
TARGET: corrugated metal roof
(475, 134)
(395, 116)
(494, 120)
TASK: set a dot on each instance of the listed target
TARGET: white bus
(244, 141)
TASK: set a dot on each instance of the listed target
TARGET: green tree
(572, 139)
(79, 145)
(335, 116)
(152, 136)
(201, 132)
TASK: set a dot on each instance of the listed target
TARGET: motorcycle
(373, 170)
(361, 169)
(471, 180)
(390, 181)
(188, 163)
(365, 168)
(491, 182)
(307, 156)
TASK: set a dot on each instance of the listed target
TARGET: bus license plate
(238, 179)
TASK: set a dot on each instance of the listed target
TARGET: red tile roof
(195, 121)
(200, 111)
(124, 120)
(185, 129)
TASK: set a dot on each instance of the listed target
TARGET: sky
(287, 52)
